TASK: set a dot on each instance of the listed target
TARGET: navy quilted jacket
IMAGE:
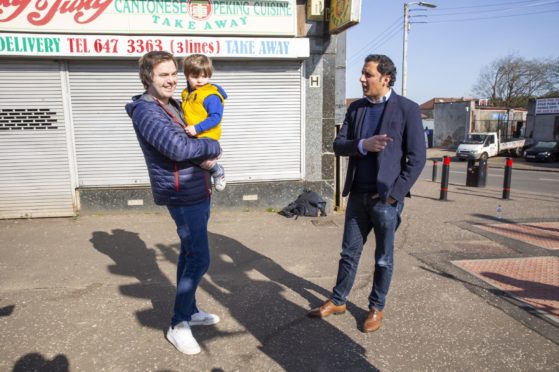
(171, 155)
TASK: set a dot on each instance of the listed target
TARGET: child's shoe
(219, 182)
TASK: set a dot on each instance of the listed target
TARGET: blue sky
(446, 54)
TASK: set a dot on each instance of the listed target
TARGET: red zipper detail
(176, 177)
(208, 183)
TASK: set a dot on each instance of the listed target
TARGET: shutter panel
(35, 178)
(107, 151)
(261, 129)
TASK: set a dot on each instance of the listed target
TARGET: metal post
(506, 182)
(434, 179)
(405, 56)
(444, 177)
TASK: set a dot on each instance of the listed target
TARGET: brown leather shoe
(326, 309)
(373, 321)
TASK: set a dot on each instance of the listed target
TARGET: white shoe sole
(204, 322)
(188, 351)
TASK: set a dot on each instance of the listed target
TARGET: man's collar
(382, 99)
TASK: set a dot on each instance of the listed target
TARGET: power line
(379, 36)
(483, 10)
(493, 17)
(491, 5)
(365, 50)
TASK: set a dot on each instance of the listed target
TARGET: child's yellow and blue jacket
(203, 108)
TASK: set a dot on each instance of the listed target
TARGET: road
(522, 180)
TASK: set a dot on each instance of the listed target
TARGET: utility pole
(405, 56)
(406, 30)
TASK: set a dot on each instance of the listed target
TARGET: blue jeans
(194, 257)
(362, 215)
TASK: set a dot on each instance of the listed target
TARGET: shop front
(67, 72)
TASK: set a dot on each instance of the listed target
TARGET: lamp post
(406, 30)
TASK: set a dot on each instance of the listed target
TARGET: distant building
(454, 118)
(428, 107)
(542, 123)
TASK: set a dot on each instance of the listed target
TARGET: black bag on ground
(309, 203)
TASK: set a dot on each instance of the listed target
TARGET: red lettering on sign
(17, 5)
(84, 11)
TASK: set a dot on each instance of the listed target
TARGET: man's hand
(376, 143)
(391, 200)
(190, 130)
(208, 164)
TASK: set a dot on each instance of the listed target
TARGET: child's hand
(190, 130)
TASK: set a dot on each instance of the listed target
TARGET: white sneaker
(181, 337)
(219, 183)
(203, 318)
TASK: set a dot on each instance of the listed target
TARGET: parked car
(543, 151)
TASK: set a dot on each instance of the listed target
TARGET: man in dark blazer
(383, 136)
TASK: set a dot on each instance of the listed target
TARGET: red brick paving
(534, 280)
(541, 234)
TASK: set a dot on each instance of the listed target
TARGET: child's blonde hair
(197, 64)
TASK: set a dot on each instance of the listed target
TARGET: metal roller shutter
(107, 151)
(262, 125)
(261, 131)
(35, 179)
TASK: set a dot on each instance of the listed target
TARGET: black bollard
(444, 177)
(434, 179)
(506, 182)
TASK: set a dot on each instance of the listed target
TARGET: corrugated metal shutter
(261, 131)
(262, 125)
(107, 151)
(35, 178)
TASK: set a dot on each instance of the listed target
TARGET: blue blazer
(403, 159)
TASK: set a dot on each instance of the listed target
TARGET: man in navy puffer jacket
(177, 167)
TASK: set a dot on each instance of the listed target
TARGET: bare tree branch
(511, 81)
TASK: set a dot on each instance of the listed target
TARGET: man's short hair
(385, 66)
(148, 62)
(197, 64)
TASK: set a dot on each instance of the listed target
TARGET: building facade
(67, 71)
(454, 119)
(543, 119)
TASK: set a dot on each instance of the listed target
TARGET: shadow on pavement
(526, 288)
(492, 219)
(34, 362)
(132, 258)
(257, 292)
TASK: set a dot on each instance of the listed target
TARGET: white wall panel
(35, 176)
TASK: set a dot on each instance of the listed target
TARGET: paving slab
(534, 280)
(540, 234)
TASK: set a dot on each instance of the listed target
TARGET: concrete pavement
(94, 293)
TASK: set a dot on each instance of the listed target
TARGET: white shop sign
(193, 17)
(42, 45)
(547, 106)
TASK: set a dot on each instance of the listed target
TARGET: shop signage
(44, 45)
(344, 14)
(547, 106)
(192, 17)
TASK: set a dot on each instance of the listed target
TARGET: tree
(511, 81)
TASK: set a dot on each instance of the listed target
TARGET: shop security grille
(27, 119)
